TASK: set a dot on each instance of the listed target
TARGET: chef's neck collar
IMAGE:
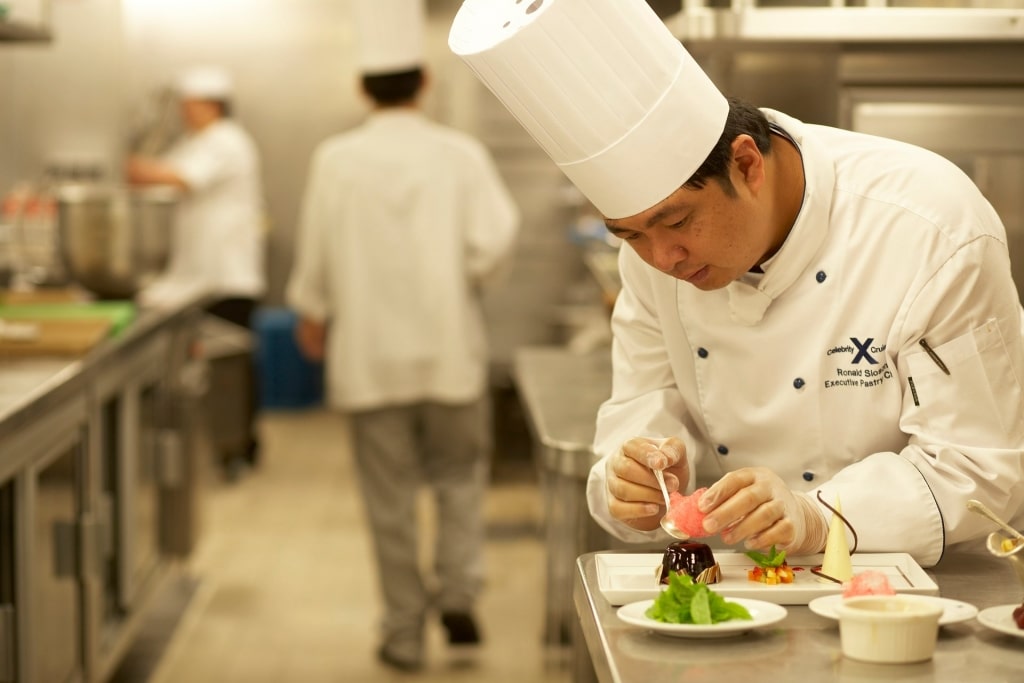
(776, 129)
(779, 131)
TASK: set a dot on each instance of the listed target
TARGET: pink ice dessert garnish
(684, 513)
(869, 582)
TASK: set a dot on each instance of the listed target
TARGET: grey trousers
(446, 448)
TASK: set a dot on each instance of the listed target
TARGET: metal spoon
(667, 524)
(982, 509)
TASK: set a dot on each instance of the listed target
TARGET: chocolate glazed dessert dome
(691, 558)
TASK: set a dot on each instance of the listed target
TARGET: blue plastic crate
(286, 378)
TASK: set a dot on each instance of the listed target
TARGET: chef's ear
(748, 162)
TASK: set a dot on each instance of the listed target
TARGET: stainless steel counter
(28, 385)
(98, 465)
(561, 392)
(805, 646)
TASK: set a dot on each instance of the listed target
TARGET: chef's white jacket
(816, 369)
(401, 221)
(219, 236)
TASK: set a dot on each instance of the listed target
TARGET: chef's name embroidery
(865, 375)
(859, 377)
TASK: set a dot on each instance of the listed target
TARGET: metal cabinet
(97, 497)
(137, 452)
(43, 540)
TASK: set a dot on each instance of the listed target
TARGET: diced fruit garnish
(772, 576)
(771, 569)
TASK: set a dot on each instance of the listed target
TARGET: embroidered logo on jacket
(858, 364)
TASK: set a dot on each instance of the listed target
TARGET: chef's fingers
(678, 470)
(639, 504)
(637, 515)
(628, 466)
(673, 451)
(643, 450)
(725, 488)
(781, 534)
(766, 524)
(658, 454)
(637, 454)
(762, 511)
(733, 498)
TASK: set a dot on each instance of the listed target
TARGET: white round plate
(1001, 619)
(763, 613)
(953, 611)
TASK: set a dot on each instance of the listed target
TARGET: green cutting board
(120, 313)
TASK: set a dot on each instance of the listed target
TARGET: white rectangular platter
(627, 577)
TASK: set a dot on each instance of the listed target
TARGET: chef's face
(198, 113)
(709, 236)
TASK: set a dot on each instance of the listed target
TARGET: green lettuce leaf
(774, 558)
(686, 602)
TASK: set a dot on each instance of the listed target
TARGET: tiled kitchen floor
(284, 590)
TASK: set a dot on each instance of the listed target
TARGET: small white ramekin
(888, 628)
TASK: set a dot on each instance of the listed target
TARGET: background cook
(219, 236)
(403, 222)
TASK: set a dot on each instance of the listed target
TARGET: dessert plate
(953, 611)
(628, 577)
(1001, 619)
(763, 613)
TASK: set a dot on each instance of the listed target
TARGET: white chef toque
(205, 83)
(389, 35)
(603, 86)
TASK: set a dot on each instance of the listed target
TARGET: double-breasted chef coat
(405, 327)
(816, 368)
(218, 245)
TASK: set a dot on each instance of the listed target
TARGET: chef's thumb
(674, 449)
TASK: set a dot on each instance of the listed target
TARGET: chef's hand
(755, 506)
(140, 170)
(311, 337)
(634, 496)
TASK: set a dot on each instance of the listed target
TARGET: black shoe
(252, 452)
(408, 665)
(461, 627)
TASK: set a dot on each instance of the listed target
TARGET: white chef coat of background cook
(219, 223)
(408, 327)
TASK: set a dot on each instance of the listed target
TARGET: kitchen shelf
(20, 32)
(848, 24)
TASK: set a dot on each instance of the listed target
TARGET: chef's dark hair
(743, 118)
(393, 88)
(224, 106)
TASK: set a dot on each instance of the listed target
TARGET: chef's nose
(666, 255)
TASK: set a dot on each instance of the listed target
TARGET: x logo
(862, 350)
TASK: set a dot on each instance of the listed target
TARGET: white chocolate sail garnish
(837, 563)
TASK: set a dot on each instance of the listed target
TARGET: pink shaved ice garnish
(684, 513)
(869, 582)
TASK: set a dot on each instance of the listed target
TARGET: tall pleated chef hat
(389, 35)
(603, 86)
(205, 83)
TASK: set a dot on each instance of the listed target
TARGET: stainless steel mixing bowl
(114, 239)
